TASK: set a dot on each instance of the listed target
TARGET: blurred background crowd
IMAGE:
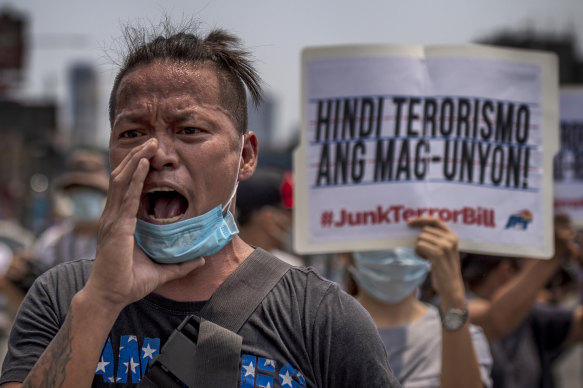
(53, 132)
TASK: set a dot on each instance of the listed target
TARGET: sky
(65, 31)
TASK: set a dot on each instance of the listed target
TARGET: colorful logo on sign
(519, 220)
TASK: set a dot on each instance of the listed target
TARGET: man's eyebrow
(130, 118)
(176, 116)
(183, 114)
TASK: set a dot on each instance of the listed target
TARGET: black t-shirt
(307, 332)
(523, 359)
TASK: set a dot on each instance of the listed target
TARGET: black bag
(205, 351)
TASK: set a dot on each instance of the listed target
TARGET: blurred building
(12, 48)
(32, 151)
(84, 103)
(26, 128)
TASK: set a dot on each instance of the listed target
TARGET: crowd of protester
(443, 317)
(520, 314)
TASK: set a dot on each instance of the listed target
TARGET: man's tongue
(167, 208)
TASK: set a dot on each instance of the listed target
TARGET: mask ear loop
(226, 207)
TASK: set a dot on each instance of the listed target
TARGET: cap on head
(87, 169)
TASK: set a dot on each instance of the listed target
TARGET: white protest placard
(569, 160)
(464, 133)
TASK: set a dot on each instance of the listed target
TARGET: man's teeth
(161, 189)
(166, 220)
(163, 220)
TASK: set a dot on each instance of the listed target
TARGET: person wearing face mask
(426, 346)
(171, 274)
(81, 191)
(84, 187)
(264, 212)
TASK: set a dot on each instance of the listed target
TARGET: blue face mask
(191, 238)
(87, 204)
(188, 239)
(389, 275)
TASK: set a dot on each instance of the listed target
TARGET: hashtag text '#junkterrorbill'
(399, 213)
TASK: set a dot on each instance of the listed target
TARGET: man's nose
(165, 156)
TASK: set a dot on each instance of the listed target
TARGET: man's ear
(249, 156)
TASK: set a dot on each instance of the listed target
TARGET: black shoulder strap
(205, 352)
(241, 293)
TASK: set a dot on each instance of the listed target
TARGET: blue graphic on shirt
(266, 364)
(287, 373)
(105, 364)
(129, 360)
(262, 372)
(149, 351)
(132, 365)
(248, 364)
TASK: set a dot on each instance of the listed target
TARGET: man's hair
(223, 50)
(476, 267)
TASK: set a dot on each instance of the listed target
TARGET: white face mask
(389, 275)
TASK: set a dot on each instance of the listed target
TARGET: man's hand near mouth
(121, 268)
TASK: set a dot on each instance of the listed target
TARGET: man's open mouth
(164, 205)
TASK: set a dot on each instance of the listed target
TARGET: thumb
(175, 271)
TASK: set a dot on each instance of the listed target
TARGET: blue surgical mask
(194, 237)
(188, 239)
(87, 204)
(389, 275)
